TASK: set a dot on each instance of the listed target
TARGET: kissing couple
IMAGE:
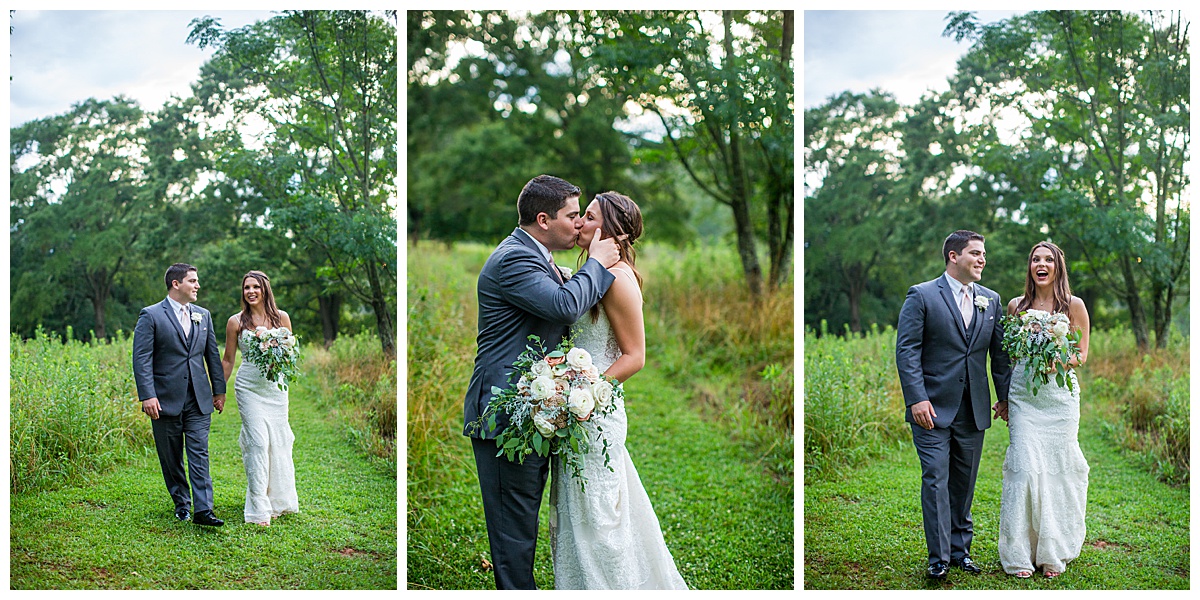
(180, 378)
(948, 329)
(608, 537)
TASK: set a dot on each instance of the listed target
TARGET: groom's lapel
(979, 316)
(166, 306)
(952, 306)
(527, 241)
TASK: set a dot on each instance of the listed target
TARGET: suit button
(960, 379)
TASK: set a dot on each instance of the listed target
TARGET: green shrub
(73, 410)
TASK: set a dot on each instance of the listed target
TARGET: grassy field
(710, 423)
(105, 522)
(862, 480)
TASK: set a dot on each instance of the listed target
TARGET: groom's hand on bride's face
(605, 250)
(924, 414)
(150, 407)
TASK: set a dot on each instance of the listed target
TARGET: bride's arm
(285, 320)
(1080, 320)
(623, 305)
(231, 345)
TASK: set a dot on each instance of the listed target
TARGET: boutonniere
(981, 302)
(196, 318)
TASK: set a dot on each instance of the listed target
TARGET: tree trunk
(1137, 314)
(383, 315)
(329, 306)
(737, 177)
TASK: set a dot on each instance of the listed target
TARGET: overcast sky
(902, 52)
(62, 57)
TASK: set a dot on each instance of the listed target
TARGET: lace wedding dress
(608, 536)
(266, 442)
(1044, 493)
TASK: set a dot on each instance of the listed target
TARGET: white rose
(540, 369)
(603, 391)
(579, 359)
(981, 302)
(542, 388)
(196, 317)
(1061, 328)
(581, 402)
(543, 425)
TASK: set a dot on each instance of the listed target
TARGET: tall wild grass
(853, 407)
(73, 410)
(357, 381)
(733, 353)
(1146, 399)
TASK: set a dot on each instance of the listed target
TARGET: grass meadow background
(862, 515)
(88, 508)
(710, 421)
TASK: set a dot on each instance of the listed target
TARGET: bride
(1044, 492)
(266, 437)
(609, 537)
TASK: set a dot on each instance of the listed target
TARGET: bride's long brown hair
(268, 300)
(1061, 285)
(619, 215)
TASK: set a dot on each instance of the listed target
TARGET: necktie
(184, 321)
(554, 267)
(964, 305)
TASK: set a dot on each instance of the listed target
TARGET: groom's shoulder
(988, 291)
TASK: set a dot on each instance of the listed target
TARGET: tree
(80, 201)
(725, 102)
(1105, 95)
(324, 83)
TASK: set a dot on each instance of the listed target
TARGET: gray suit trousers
(949, 463)
(171, 434)
(512, 495)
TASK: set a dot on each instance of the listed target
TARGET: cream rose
(581, 403)
(1061, 328)
(543, 425)
(540, 369)
(603, 392)
(542, 388)
(579, 359)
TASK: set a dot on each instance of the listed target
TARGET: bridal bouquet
(275, 352)
(1046, 341)
(554, 395)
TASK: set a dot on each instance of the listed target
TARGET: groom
(522, 292)
(947, 329)
(172, 344)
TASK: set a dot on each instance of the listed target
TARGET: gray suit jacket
(519, 295)
(165, 364)
(938, 357)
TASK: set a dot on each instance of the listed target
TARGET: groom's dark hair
(543, 194)
(958, 240)
(177, 272)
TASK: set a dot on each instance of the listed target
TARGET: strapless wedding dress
(1043, 499)
(266, 440)
(608, 536)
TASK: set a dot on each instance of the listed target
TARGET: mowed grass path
(726, 521)
(118, 530)
(864, 531)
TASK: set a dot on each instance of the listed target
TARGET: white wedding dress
(608, 536)
(266, 441)
(1044, 494)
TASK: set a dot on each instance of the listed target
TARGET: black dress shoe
(937, 570)
(182, 513)
(966, 564)
(206, 517)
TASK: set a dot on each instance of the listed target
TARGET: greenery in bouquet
(554, 394)
(276, 353)
(1046, 341)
